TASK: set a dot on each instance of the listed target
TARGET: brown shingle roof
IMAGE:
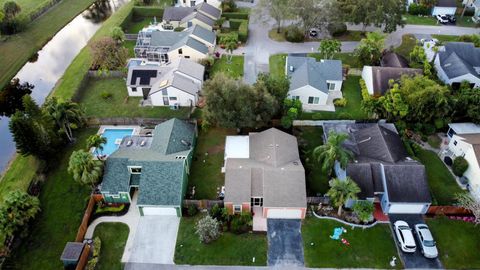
(381, 77)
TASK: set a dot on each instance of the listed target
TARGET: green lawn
(442, 184)
(369, 248)
(120, 104)
(414, 19)
(458, 243)
(62, 202)
(135, 25)
(408, 42)
(229, 249)
(277, 64)
(130, 45)
(113, 236)
(207, 176)
(18, 49)
(233, 69)
(309, 138)
(19, 174)
(28, 6)
(347, 36)
(353, 110)
(446, 38)
(162, 3)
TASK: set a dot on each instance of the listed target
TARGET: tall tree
(11, 9)
(279, 10)
(230, 43)
(329, 47)
(16, 211)
(33, 132)
(315, 13)
(84, 169)
(467, 104)
(12, 95)
(341, 191)
(96, 141)
(66, 114)
(394, 104)
(276, 86)
(107, 54)
(333, 151)
(369, 51)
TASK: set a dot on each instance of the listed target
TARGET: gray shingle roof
(446, 3)
(307, 71)
(176, 13)
(459, 58)
(167, 38)
(197, 45)
(407, 183)
(161, 180)
(391, 59)
(191, 68)
(209, 9)
(205, 19)
(205, 34)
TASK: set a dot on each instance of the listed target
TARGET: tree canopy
(342, 190)
(329, 47)
(12, 95)
(16, 211)
(107, 54)
(333, 151)
(369, 51)
(84, 169)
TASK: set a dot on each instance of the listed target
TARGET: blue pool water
(112, 135)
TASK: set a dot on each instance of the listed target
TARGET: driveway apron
(415, 260)
(285, 244)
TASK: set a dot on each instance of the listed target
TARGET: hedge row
(235, 15)
(221, 35)
(243, 31)
(235, 23)
(148, 12)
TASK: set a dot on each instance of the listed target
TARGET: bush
(207, 229)
(178, 29)
(337, 29)
(235, 15)
(241, 223)
(92, 263)
(317, 116)
(340, 102)
(192, 210)
(363, 210)
(286, 122)
(221, 36)
(235, 24)
(243, 31)
(292, 113)
(14, 25)
(228, 6)
(418, 9)
(294, 34)
(216, 212)
(207, 62)
(460, 165)
(106, 95)
(97, 244)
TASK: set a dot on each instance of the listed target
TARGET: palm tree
(96, 141)
(230, 44)
(341, 191)
(333, 151)
(84, 169)
(67, 115)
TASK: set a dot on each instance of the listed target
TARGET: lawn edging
(348, 223)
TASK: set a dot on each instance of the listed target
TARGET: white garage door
(406, 209)
(159, 211)
(284, 213)
(443, 11)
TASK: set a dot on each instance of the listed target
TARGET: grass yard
(346, 58)
(434, 141)
(229, 249)
(62, 201)
(446, 38)
(309, 138)
(114, 237)
(18, 49)
(28, 6)
(458, 243)
(162, 3)
(277, 36)
(19, 174)
(351, 36)
(120, 104)
(441, 182)
(277, 64)
(137, 24)
(130, 45)
(347, 36)
(353, 110)
(207, 176)
(408, 42)
(369, 248)
(233, 69)
(421, 20)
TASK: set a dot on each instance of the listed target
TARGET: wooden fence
(448, 211)
(82, 262)
(94, 198)
(203, 204)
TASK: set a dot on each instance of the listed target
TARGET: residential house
(202, 14)
(193, 43)
(177, 83)
(464, 141)
(264, 175)
(192, 3)
(157, 166)
(382, 168)
(475, 5)
(442, 7)
(315, 83)
(393, 67)
(457, 62)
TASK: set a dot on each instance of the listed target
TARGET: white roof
(237, 147)
(465, 128)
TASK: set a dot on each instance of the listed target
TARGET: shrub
(235, 23)
(418, 9)
(192, 210)
(337, 28)
(340, 102)
(216, 212)
(106, 95)
(97, 244)
(178, 29)
(363, 210)
(223, 36)
(235, 15)
(317, 116)
(460, 165)
(207, 229)
(92, 263)
(228, 6)
(294, 34)
(286, 122)
(292, 113)
(241, 223)
(243, 31)
(207, 62)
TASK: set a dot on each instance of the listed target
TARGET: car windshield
(403, 228)
(429, 243)
(408, 246)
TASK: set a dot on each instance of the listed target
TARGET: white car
(404, 236)
(442, 19)
(425, 238)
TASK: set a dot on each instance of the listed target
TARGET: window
(454, 142)
(180, 51)
(172, 98)
(186, 56)
(135, 169)
(331, 86)
(134, 89)
(237, 209)
(115, 196)
(313, 100)
(295, 97)
(256, 201)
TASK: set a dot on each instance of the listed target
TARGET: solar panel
(144, 75)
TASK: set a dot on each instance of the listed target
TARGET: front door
(256, 201)
(165, 101)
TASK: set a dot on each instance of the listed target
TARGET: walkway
(131, 218)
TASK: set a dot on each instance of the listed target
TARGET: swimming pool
(114, 138)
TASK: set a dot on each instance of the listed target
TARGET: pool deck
(101, 130)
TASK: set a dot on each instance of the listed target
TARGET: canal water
(52, 61)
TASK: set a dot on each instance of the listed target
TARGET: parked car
(442, 19)
(313, 32)
(451, 18)
(404, 236)
(425, 239)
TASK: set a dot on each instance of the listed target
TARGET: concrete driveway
(415, 260)
(155, 240)
(285, 244)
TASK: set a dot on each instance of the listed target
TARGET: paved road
(285, 244)
(415, 260)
